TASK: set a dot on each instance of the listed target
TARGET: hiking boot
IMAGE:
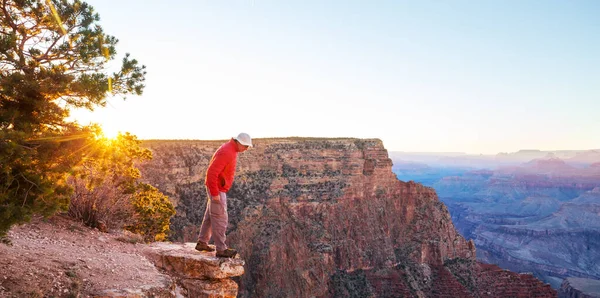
(228, 253)
(203, 246)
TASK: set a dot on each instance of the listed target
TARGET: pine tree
(53, 58)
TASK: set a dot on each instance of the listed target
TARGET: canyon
(316, 217)
(539, 215)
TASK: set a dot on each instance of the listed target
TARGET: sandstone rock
(182, 260)
(225, 288)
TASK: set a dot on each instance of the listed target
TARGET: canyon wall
(328, 218)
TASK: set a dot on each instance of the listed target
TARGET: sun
(110, 132)
(100, 117)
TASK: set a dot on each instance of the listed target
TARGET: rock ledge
(201, 274)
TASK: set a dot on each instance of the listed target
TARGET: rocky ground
(59, 257)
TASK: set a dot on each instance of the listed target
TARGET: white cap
(244, 139)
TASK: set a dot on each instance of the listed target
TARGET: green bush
(152, 214)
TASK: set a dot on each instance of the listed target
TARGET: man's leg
(218, 220)
(205, 229)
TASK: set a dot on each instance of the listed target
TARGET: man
(219, 177)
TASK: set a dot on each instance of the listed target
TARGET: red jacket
(221, 169)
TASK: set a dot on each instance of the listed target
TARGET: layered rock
(327, 217)
(201, 274)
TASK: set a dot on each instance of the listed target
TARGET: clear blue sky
(466, 76)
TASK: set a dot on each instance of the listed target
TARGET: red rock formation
(327, 217)
(201, 274)
(496, 282)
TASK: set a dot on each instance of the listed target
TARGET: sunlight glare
(110, 132)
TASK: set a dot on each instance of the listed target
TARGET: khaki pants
(215, 221)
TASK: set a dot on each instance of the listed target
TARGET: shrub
(152, 214)
(107, 193)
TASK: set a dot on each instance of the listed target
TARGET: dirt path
(62, 258)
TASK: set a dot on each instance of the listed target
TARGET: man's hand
(216, 199)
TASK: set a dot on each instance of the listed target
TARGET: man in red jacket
(219, 177)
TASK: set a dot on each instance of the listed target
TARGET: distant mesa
(586, 157)
(576, 158)
(551, 164)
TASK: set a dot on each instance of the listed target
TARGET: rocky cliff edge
(328, 218)
(59, 257)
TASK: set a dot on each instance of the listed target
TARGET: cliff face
(327, 217)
